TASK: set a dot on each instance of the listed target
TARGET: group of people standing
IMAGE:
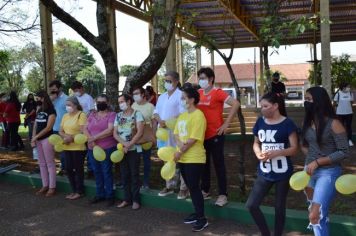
(199, 138)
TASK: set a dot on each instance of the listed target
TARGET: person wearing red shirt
(151, 95)
(12, 117)
(2, 120)
(211, 103)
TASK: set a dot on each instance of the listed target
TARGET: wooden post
(262, 83)
(198, 58)
(325, 45)
(47, 44)
(112, 28)
(212, 61)
(154, 80)
(180, 59)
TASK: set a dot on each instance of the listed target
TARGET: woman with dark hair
(275, 142)
(42, 129)
(128, 129)
(12, 118)
(99, 130)
(72, 124)
(325, 145)
(189, 134)
(151, 95)
(146, 110)
(3, 123)
(344, 99)
(29, 107)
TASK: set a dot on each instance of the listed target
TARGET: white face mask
(185, 104)
(168, 86)
(77, 94)
(123, 106)
(69, 109)
(137, 98)
(204, 83)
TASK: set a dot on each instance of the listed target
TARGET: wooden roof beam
(237, 10)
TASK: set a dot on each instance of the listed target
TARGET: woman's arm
(184, 148)
(105, 133)
(290, 151)
(49, 127)
(257, 149)
(117, 136)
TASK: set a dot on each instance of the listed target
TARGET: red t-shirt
(13, 115)
(212, 105)
(2, 109)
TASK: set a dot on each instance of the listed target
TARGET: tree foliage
(70, 57)
(189, 59)
(342, 70)
(17, 19)
(93, 80)
(126, 70)
(34, 80)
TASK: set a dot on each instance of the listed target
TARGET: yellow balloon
(55, 139)
(116, 156)
(346, 184)
(58, 147)
(166, 153)
(168, 170)
(147, 146)
(99, 153)
(80, 139)
(171, 123)
(299, 180)
(162, 134)
(120, 147)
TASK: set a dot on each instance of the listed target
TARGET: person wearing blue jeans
(325, 146)
(146, 155)
(59, 101)
(103, 176)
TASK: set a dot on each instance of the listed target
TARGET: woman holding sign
(99, 130)
(325, 144)
(275, 141)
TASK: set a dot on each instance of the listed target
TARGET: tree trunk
(268, 87)
(242, 144)
(163, 21)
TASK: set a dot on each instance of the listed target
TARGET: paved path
(24, 213)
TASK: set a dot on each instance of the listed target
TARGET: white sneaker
(183, 194)
(221, 201)
(351, 144)
(206, 196)
(165, 191)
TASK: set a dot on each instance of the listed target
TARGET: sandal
(43, 190)
(76, 196)
(123, 204)
(51, 192)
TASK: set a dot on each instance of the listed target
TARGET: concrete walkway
(24, 213)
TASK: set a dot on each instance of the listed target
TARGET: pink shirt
(97, 125)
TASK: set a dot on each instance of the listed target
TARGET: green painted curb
(295, 220)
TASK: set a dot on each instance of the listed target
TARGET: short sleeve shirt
(87, 103)
(60, 106)
(42, 120)
(274, 137)
(343, 103)
(125, 126)
(146, 110)
(192, 126)
(212, 105)
(278, 87)
(96, 125)
(71, 125)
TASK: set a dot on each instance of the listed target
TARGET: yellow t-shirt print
(192, 126)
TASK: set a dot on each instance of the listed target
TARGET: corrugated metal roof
(214, 17)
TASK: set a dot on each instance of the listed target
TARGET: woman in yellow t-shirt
(189, 134)
(71, 125)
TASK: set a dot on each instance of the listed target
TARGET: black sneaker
(192, 218)
(110, 202)
(96, 200)
(201, 224)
